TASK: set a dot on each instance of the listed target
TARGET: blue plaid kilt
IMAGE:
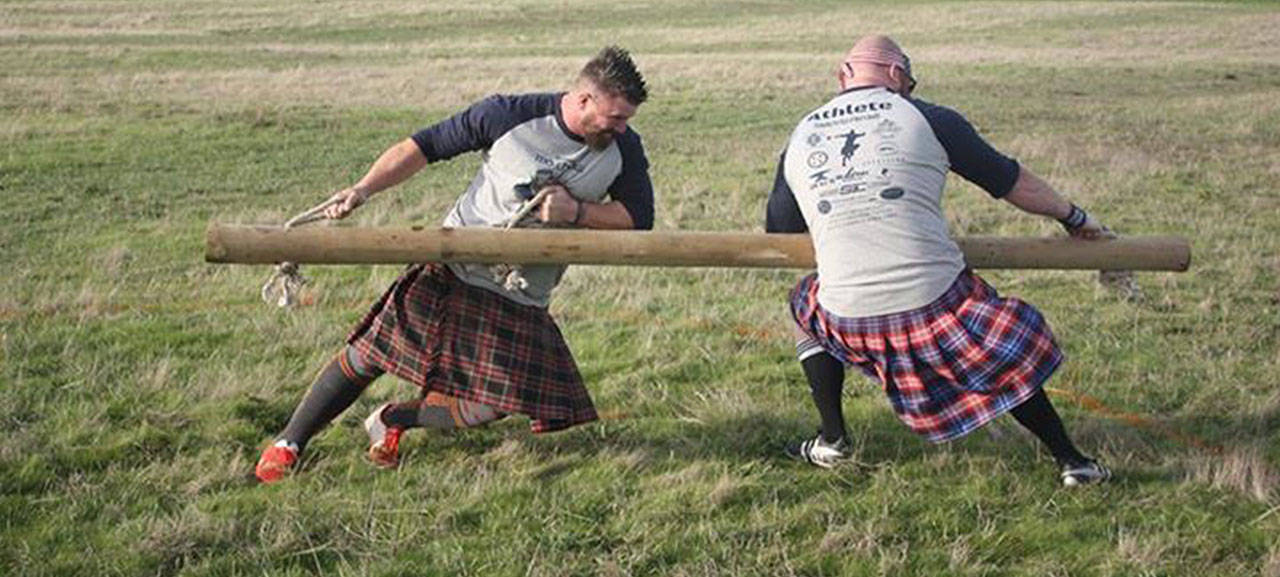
(948, 367)
(470, 343)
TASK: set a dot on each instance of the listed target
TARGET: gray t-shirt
(864, 175)
(517, 136)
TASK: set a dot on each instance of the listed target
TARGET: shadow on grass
(744, 439)
(1159, 450)
(1142, 454)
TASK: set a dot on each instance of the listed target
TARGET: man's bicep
(971, 156)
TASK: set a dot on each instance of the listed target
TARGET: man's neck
(569, 111)
(866, 83)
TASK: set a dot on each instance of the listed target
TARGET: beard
(599, 140)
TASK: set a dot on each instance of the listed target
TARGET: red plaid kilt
(948, 367)
(447, 336)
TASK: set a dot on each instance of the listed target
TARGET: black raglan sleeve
(632, 187)
(782, 213)
(969, 154)
(479, 126)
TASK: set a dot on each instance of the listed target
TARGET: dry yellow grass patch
(1143, 550)
(1271, 567)
(1241, 468)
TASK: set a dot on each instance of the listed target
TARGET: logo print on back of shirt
(850, 145)
(824, 207)
(892, 193)
(817, 159)
(887, 129)
(813, 139)
(819, 178)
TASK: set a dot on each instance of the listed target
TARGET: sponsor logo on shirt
(887, 129)
(817, 159)
(848, 110)
(819, 178)
(824, 207)
(853, 188)
(853, 173)
(850, 145)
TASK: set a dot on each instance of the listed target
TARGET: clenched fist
(346, 200)
(558, 207)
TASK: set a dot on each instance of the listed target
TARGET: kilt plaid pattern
(948, 367)
(449, 337)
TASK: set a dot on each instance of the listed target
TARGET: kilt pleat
(456, 339)
(948, 367)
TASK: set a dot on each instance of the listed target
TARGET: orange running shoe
(275, 462)
(384, 441)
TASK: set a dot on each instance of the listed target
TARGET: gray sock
(334, 389)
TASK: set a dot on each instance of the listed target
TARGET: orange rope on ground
(1136, 421)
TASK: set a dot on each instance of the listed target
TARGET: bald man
(893, 295)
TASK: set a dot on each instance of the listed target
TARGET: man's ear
(844, 74)
(898, 77)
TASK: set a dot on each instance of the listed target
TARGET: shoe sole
(377, 458)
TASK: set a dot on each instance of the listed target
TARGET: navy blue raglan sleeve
(632, 186)
(782, 213)
(969, 154)
(479, 126)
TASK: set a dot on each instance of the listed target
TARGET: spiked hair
(612, 70)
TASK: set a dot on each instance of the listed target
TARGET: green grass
(138, 384)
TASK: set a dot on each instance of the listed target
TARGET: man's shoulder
(630, 138)
(935, 112)
(629, 145)
(519, 107)
(522, 100)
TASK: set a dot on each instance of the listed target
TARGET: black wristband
(1075, 219)
(582, 210)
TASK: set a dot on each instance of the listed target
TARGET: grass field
(138, 384)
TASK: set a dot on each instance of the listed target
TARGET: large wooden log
(343, 245)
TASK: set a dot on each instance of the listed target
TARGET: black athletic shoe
(818, 452)
(1087, 473)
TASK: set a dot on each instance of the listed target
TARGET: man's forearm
(609, 215)
(395, 165)
(1032, 194)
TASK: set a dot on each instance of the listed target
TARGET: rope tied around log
(287, 280)
(511, 276)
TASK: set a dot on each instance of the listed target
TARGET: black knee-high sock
(1039, 417)
(336, 387)
(826, 383)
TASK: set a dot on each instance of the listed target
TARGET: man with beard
(476, 339)
(893, 295)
